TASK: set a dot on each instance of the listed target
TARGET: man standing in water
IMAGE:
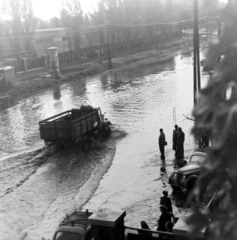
(180, 144)
(162, 144)
(175, 138)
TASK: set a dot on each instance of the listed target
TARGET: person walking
(166, 201)
(175, 138)
(162, 144)
(180, 144)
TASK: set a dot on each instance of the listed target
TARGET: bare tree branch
(188, 118)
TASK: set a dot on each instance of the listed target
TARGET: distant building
(46, 38)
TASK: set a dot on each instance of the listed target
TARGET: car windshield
(197, 159)
(68, 236)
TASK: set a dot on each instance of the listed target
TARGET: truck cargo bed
(69, 126)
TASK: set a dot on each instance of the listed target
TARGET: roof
(76, 219)
(50, 29)
(7, 68)
(203, 154)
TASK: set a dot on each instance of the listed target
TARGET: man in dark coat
(162, 144)
(180, 144)
(166, 201)
(175, 137)
(164, 218)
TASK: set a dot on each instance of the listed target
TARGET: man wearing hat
(166, 201)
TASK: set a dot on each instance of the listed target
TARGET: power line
(138, 38)
(84, 29)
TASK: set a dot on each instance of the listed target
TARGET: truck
(73, 126)
(74, 225)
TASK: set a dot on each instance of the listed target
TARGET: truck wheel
(106, 130)
(85, 144)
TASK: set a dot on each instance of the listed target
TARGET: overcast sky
(46, 9)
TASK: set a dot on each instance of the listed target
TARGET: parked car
(186, 177)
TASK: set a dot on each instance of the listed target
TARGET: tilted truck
(73, 126)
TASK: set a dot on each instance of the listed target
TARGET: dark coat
(175, 138)
(164, 218)
(166, 201)
(161, 140)
(180, 137)
(180, 144)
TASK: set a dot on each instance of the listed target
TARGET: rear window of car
(197, 159)
(68, 236)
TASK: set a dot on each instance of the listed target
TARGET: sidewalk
(36, 73)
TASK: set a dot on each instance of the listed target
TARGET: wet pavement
(38, 187)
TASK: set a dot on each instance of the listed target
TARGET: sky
(45, 9)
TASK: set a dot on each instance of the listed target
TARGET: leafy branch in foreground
(216, 114)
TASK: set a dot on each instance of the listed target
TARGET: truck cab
(74, 226)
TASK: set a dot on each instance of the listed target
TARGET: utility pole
(196, 56)
(108, 43)
(219, 30)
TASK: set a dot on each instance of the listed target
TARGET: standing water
(36, 192)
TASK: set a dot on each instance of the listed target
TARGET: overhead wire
(109, 25)
(93, 45)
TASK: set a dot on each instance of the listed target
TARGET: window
(197, 159)
(68, 236)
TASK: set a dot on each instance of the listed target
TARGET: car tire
(190, 182)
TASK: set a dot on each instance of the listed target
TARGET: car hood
(188, 168)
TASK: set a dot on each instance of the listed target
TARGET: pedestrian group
(178, 142)
(166, 221)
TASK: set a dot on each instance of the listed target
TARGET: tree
(22, 25)
(29, 23)
(13, 9)
(216, 114)
(72, 19)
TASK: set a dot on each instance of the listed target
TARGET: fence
(35, 63)
(119, 47)
(105, 51)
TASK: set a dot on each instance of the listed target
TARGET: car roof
(202, 154)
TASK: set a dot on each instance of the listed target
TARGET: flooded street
(38, 189)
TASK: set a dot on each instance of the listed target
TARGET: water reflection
(57, 92)
(140, 100)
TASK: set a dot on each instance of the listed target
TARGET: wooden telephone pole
(196, 55)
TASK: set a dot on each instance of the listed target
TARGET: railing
(141, 234)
